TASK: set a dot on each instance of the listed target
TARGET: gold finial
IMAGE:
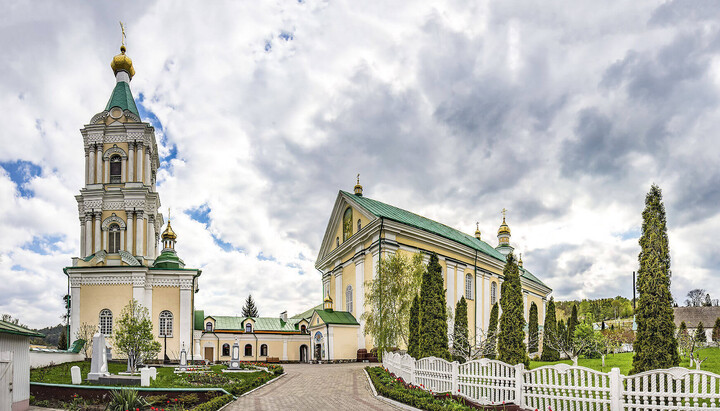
(477, 230)
(477, 225)
(358, 187)
(168, 214)
(520, 263)
(121, 62)
(504, 210)
(504, 229)
(122, 29)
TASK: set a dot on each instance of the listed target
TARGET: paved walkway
(315, 387)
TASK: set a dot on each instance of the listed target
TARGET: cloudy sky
(562, 112)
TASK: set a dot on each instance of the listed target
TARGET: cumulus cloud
(562, 113)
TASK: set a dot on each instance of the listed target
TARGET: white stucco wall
(43, 359)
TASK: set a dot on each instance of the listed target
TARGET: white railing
(561, 387)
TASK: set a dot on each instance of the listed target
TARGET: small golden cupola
(169, 237)
(121, 62)
(477, 230)
(328, 303)
(358, 187)
(504, 237)
(520, 263)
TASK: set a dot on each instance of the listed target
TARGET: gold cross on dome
(122, 28)
(168, 213)
(504, 210)
(358, 179)
(477, 225)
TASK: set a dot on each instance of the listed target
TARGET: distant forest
(601, 309)
(52, 335)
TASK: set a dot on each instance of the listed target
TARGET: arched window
(115, 169)
(468, 287)
(347, 224)
(208, 327)
(226, 350)
(248, 328)
(166, 324)
(248, 350)
(263, 350)
(303, 329)
(348, 299)
(106, 320)
(113, 238)
(359, 224)
(493, 293)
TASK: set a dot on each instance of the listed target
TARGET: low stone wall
(43, 358)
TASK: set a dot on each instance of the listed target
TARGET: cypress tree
(433, 318)
(511, 340)
(700, 333)
(655, 346)
(716, 331)
(572, 323)
(682, 329)
(491, 349)
(549, 328)
(461, 342)
(533, 329)
(62, 341)
(250, 310)
(414, 337)
(561, 332)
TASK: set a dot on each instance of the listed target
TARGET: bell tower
(504, 237)
(118, 207)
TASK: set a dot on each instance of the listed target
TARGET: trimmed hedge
(214, 404)
(396, 389)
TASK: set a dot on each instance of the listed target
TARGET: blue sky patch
(268, 45)
(200, 214)
(44, 245)
(17, 267)
(630, 234)
(286, 35)
(21, 172)
(263, 257)
(223, 244)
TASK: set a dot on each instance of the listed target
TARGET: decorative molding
(107, 279)
(99, 257)
(129, 114)
(114, 150)
(128, 258)
(113, 205)
(99, 116)
(113, 219)
(91, 204)
(135, 204)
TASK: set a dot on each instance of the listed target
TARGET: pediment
(315, 320)
(341, 204)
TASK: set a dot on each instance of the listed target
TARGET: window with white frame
(263, 350)
(248, 328)
(493, 293)
(349, 299)
(468, 287)
(208, 327)
(106, 319)
(113, 238)
(166, 324)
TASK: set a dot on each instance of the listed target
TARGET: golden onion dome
(328, 299)
(169, 234)
(477, 230)
(122, 62)
(504, 229)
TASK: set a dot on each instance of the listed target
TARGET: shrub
(394, 388)
(275, 369)
(125, 399)
(214, 404)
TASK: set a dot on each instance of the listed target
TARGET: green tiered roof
(168, 259)
(122, 97)
(380, 209)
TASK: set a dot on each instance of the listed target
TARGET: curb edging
(257, 388)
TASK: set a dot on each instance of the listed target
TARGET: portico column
(459, 279)
(151, 237)
(106, 173)
(91, 164)
(139, 160)
(487, 304)
(338, 290)
(526, 309)
(122, 240)
(98, 166)
(147, 166)
(104, 243)
(450, 284)
(74, 307)
(88, 234)
(82, 236)
(130, 243)
(87, 165)
(123, 173)
(139, 233)
(185, 326)
(97, 232)
(359, 305)
(131, 161)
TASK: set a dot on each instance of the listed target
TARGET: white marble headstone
(75, 375)
(145, 377)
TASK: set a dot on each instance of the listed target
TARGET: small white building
(692, 316)
(15, 366)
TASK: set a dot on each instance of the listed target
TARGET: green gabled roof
(380, 209)
(337, 317)
(308, 313)
(199, 320)
(122, 97)
(10, 328)
(261, 323)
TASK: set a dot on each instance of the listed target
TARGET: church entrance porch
(209, 354)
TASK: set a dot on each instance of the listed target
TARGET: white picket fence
(561, 387)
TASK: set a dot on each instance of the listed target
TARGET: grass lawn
(624, 362)
(166, 378)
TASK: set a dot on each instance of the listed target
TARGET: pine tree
(511, 340)
(700, 333)
(682, 329)
(533, 329)
(414, 335)
(433, 316)
(549, 328)
(655, 346)
(572, 324)
(461, 342)
(716, 331)
(250, 310)
(62, 342)
(492, 333)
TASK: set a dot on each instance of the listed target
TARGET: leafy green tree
(533, 329)
(250, 310)
(655, 346)
(492, 332)
(414, 329)
(133, 335)
(85, 332)
(700, 333)
(572, 323)
(716, 331)
(461, 337)
(549, 329)
(433, 316)
(391, 295)
(511, 340)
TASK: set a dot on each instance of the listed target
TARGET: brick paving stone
(315, 387)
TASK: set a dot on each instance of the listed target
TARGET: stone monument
(235, 357)
(183, 360)
(99, 364)
(75, 375)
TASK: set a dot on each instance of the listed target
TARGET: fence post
(616, 388)
(455, 377)
(413, 380)
(519, 371)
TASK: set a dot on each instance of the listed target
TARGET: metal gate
(6, 380)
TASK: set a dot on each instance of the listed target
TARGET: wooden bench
(272, 360)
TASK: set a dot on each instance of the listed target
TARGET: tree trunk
(603, 360)
(575, 361)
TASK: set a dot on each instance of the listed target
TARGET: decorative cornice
(128, 258)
